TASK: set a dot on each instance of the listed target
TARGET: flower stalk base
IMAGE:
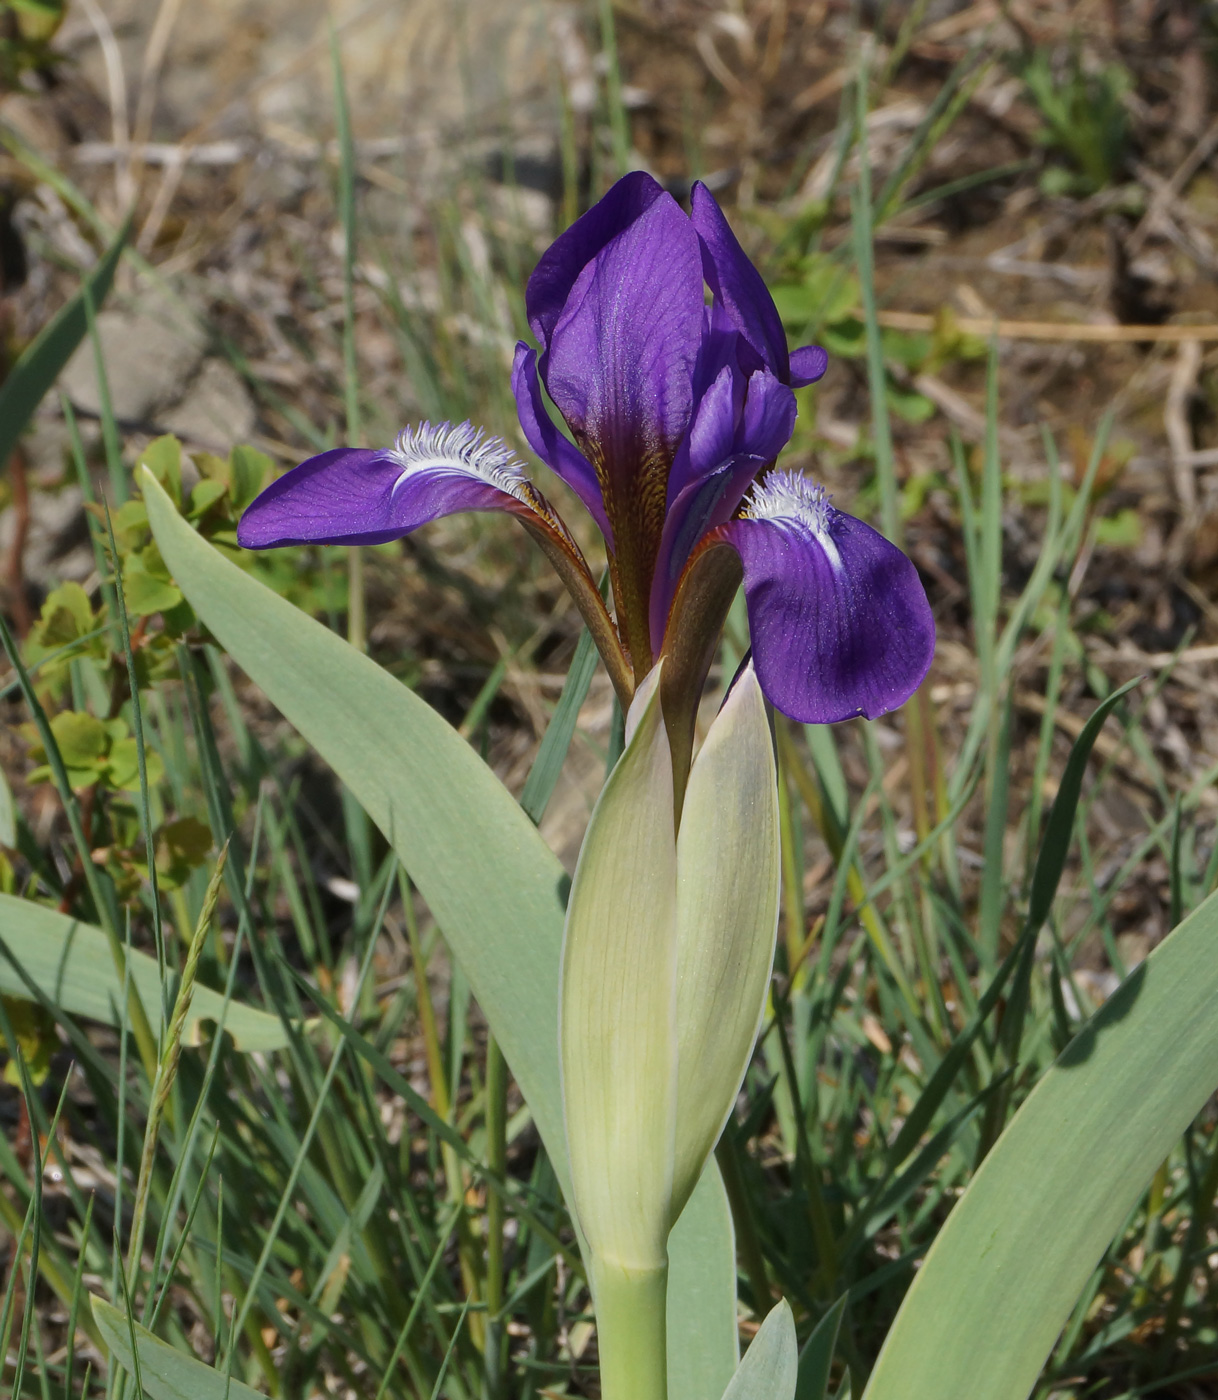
(631, 1331)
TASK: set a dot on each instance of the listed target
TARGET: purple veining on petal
(620, 361)
(355, 495)
(738, 285)
(808, 364)
(562, 262)
(557, 452)
(839, 619)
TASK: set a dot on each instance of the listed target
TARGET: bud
(666, 960)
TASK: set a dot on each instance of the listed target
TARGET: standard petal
(712, 434)
(367, 496)
(561, 263)
(808, 364)
(557, 452)
(709, 488)
(839, 619)
(738, 285)
(621, 356)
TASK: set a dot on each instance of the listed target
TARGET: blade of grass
(356, 612)
(30, 379)
(167, 1069)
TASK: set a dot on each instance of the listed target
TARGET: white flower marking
(790, 498)
(463, 449)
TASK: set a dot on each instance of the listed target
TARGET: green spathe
(727, 916)
(667, 954)
(617, 1022)
(666, 959)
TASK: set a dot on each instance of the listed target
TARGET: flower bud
(666, 959)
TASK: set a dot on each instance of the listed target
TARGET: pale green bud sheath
(618, 1052)
(727, 917)
(666, 960)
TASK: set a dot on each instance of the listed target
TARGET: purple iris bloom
(677, 408)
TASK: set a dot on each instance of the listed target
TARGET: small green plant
(1086, 120)
(26, 30)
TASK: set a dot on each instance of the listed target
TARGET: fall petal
(367, 496)
(839, 619)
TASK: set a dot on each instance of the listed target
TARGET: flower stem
(631, 1331)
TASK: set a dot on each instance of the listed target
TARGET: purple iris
(678, 408)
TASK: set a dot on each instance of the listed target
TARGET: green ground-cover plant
(315, 1218)
(1086, 119)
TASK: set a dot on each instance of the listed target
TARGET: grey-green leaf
(496, 890)
(165, 1373)
(70, 964)
(1003, 1274)
(8, 814)
(771, 1364)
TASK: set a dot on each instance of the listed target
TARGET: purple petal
(355, 495)
(561, 263)
(808, 364)
(620, 362)
(838, 616)
(711, 487)
(721, 346)
(712, 434)
(557, 452)
(738, 285)
(753, 417)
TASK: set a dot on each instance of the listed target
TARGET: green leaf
(539, 785)
(163, 458)
(82, 738)
(206, 493)
(816, 1359)
(38, 368)
(147, 594)
(123, 766)
(1055, 844)
(703, 1345)
(8, 815)
(250, 472)
(66, 615)
(1003, 1274)
(495, 888)
(771, 1364)
(165, 1373)
(71, 965)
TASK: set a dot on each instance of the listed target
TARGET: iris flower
(677, 405)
